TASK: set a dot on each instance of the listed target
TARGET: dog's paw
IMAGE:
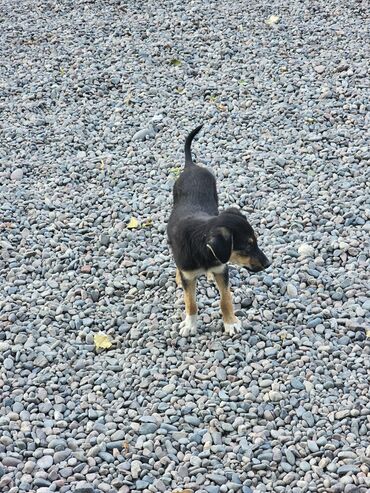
(234, 328)
(189, 326)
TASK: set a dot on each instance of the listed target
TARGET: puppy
(203, 240)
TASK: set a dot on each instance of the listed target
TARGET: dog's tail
(188, 141)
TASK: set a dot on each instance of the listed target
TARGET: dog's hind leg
(231, 322)
(189, 326)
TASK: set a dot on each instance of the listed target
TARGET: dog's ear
(220, 243)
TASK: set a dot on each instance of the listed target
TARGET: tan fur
(226, 301)
(178, 278)
(244, 260)
(189, 297)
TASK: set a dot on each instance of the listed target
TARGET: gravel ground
(96, 100)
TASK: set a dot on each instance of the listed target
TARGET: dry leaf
(102, 341)
(272, 20)
(221, 107)
(368, 333)
(134, 223)
(175, 171)
(128, 98)
(102, 164)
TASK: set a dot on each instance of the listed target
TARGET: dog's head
(232, 239)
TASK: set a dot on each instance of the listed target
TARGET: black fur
(200, 237)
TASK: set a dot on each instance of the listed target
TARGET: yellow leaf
(221, 107)
(134, 223)
(175, 62)
(102, 341)
(102, 164)
(175, 171)
(368, 333)
(272, 20)
(148, 223)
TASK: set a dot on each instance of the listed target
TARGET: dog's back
(195, 189)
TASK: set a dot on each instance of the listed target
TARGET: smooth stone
(297, 383)
(45, 462)
(305, 250)
(347, 469)
(148, 428)
(17, 174)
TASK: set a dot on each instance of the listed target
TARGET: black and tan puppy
(203, 240)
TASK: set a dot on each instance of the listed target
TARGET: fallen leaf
(272, 20)
(148, 223)
(134, 223)
(102, 164)
(102, 341)
(221, 107)
(180, 90)
(175, 62)
(176, 170)
(368, 333)
(128, 98)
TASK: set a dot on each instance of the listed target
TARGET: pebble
(319, 69)
(142, 134)
(17, 174)
(306, 250)
(45, 462)
(148, 428)
(297, 383)
(291, 290)
(93, 138)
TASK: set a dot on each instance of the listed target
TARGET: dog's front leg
(189, 326)
(231, 322)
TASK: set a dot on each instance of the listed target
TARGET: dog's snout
(267, 263)
(263, 261)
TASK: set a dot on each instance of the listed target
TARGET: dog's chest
(193, 274)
